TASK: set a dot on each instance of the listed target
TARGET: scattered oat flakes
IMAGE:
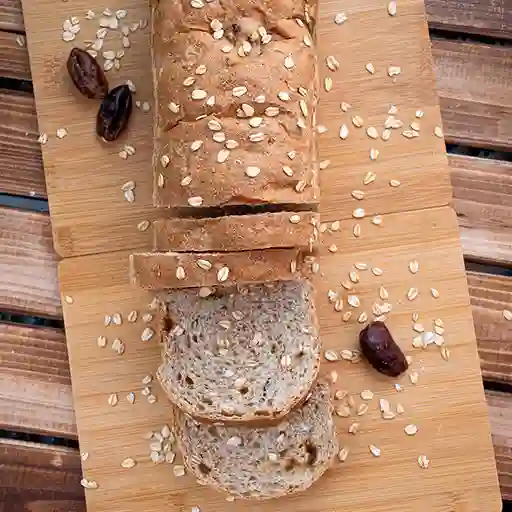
(61, 133)
(84, 455)
(178, 470)
(357, 121)
(346, 316)
(507, 315)
(117, 319)
(377, 220)
(101, 341)
(147, 334)
(376, 271)
(374, 153)
(128, 463)
(345, 107)
(392, 8)
(342, 411)
(400, 409)
(414, 266)
(372, 132)
(333, 248)
(434, 292)
(412, 293)
(343, 454)
(331, 355)
(369, 177)
(386, 135)
(343, 132)
(340, 18)
(374, 450)
(354, 301)
(118, 346)
(357, 230)
(383, 293)
(107, 320)
(394, 70)
(327, 83)
(353, 428)
(411, 429)
(113, 399)
(89, 484)
(332, 63)
(370, 68)
(423, 461)
(413, 377)
(366, 394)
(394, 183)
(445, 353)
(358, 213)
(438, 132)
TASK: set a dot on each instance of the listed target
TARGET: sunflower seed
(374, 154)
(327, 83)
(434, 292)
(392, 8)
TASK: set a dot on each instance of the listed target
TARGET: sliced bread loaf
(241, 355)
(160, 271)
(237, 232)
(262, 463)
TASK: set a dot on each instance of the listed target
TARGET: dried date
(378, 346)
(114, 113)
(87, 74)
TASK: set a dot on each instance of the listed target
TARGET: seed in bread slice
(160, 271)
(267, 462)
(241, 355)
(237, 232)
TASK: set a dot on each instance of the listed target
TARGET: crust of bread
(167, 270)
(182, 42)
(237, 232)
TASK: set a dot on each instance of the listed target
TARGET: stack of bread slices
(235, 166)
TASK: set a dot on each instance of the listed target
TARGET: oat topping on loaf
(236, 93)
(241, 355)
(262, 463)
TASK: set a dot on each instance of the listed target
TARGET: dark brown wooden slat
(21, 165)
(28, 265)
(474, 82)
(39, 478)
(11, 17)
(484, 17)
(482, 190)
(13, 57)
(35, 384)
(500, 417)
(490, 295)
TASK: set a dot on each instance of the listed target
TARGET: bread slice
(266, 462)
(237, 232)
(160, 271)
(241, 355)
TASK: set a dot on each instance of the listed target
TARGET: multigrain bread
(242, 354)
(236, 91)
(160, 271)
(237, 232)
(262, 463)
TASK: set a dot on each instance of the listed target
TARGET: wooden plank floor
(475, 87)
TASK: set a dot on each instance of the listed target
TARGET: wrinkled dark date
(86, 74)
(114, 113)
(378, 346)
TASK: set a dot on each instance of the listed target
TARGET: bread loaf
(237, 232)
(160, 271)
(262, 463)
(241, 355)
(236, 93)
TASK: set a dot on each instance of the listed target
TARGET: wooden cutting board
(95, 230)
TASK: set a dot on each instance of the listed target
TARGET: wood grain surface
(35, 385)
(491, 18)
(490, 295)
(500, 416)
(90, 216)
(29, 283)
(13, 56)
(482, 191)
(21, 165)
(11, 17)
(473, 82)
(39, 478)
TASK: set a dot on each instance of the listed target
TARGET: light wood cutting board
(93, 223)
